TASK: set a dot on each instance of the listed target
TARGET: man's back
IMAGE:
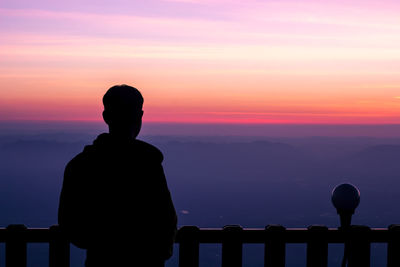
(116, 204)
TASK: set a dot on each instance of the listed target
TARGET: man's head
(123, 110)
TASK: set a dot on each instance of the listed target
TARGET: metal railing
(274, 237)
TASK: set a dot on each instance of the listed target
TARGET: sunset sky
(203, 61)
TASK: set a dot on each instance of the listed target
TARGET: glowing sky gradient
(203, 61)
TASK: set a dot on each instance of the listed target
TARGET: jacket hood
(106, 142)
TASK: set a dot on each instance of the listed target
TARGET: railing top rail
(290, 235)
(245, 235)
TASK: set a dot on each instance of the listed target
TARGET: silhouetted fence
(232, 238)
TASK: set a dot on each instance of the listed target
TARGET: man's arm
(71, 211)
(168, 214)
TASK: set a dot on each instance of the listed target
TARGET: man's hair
(121, 97)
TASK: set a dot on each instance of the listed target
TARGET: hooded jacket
(116, 204)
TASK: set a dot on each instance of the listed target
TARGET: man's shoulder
(149, 150)
(95, 153)
(80, 159)
(88, 155)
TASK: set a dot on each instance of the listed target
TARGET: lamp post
(345, 198)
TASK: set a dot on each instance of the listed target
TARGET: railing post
(59, 248)
(16, 246)
(275, 246)
(317, 246)
(189, 246)
(232, 246)
(359, 246)
(393, 250)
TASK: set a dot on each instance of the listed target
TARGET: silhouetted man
(115, 201)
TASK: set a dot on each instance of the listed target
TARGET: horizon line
(203, 123)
